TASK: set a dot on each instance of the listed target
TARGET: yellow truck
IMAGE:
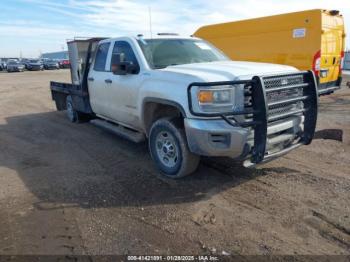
(312, 39)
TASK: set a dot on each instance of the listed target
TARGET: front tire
(169, 150)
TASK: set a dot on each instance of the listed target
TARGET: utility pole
(150, 20)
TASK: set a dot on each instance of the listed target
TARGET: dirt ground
(75, 189)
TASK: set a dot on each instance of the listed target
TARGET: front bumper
(215, 138)
(48, 67)
(218, 138)
(64, 66)
(15, 69)
(35, 68)
(329, 87)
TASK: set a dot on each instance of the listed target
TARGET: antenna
(150, 20)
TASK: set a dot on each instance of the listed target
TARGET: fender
(163, 102)
(160, 101)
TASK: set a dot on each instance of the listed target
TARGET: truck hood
(229, 70)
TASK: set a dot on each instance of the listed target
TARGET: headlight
(215, 100)
(214, 96)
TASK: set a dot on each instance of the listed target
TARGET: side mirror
(121, 67)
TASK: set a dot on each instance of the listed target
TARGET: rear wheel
(72, 114)
(169, 150)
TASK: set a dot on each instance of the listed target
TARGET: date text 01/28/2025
(173, 258)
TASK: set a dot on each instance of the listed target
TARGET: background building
(56, 55)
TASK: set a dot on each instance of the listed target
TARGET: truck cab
(188, 100)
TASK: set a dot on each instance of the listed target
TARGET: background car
(34, 65)
(64, 63)
(51, 64)
(24, 61)
(15, 66)
(2, 64)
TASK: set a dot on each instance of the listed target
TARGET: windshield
(161, 53)
(33, 61)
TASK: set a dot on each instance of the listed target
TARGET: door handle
(91, 79)
(108, 81)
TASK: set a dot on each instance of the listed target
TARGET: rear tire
(169, 149)
(72, 114)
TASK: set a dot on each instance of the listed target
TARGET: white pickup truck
(188, 99)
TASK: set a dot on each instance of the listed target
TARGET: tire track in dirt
(329, 230)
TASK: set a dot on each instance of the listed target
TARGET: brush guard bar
(261, 108)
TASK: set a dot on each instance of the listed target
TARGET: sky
(31, 27)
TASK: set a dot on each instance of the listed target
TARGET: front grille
(284, 95)
(275, 112)
(274, 96)
(278, 81)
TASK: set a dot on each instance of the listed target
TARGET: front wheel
(169, 150)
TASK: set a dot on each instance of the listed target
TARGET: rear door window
(101, 57)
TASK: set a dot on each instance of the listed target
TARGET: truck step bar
(119, 130)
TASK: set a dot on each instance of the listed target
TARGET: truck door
(123, 89)
(332, 46)
(96, 80)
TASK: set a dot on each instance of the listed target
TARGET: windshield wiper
(159, 67)
(164, 66)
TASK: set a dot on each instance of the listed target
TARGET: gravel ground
(74, 189)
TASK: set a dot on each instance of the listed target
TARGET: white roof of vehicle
(168, 37)
(165, 36)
